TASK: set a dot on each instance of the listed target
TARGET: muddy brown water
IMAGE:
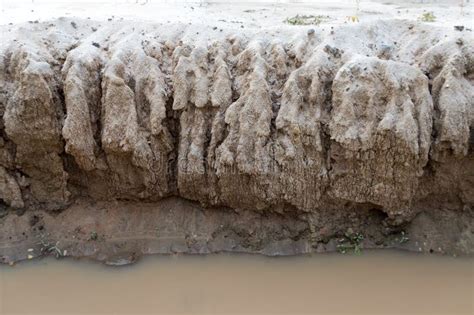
(382, 282)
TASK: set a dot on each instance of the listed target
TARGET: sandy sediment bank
(275, 142)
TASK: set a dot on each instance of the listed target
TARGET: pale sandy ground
(236, 14)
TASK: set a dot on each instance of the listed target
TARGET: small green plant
(403, 238)
(355, 18)
(51, 249)
(350, 242)
(93, 236)
(307, 19)
(427, 17)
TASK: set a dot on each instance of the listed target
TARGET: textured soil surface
(118, 233)
(121, 139)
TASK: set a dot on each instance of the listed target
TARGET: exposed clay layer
(121, 232)
(310, 125)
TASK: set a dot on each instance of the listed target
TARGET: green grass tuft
(427, 17)
(307, 19)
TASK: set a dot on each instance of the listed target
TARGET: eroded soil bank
(124, 139)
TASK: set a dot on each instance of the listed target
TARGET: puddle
(381, 282)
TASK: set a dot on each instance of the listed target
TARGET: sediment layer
(363, 119)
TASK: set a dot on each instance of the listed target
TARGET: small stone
(96, 44)
(311, 32)
(73, 24)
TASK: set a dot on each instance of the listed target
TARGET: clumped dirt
(276, 143)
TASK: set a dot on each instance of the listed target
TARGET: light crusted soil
(304, 137)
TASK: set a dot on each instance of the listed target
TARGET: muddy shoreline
(121, 232)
